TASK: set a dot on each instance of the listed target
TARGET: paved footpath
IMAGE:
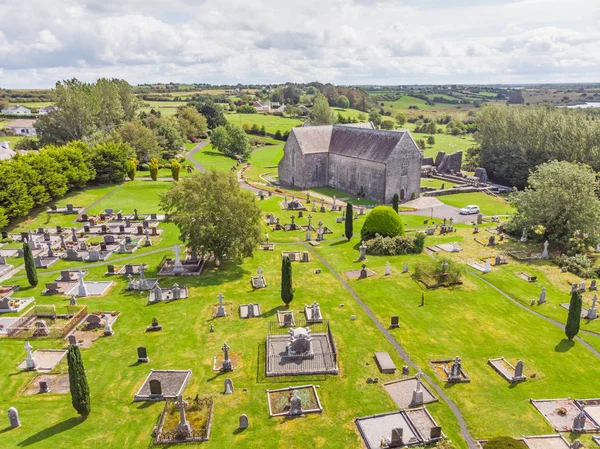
(401, 352)
(190, 155)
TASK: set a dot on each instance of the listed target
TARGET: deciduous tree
(320, 113)
(214, 215)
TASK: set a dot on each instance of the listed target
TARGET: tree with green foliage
(87, 109)
(560, 202)
(153, 169)
(169, 137)
(387, 124)
(211, 111)
(287, 289)
(3, 218)
(74, 163)
(30, 269)
(15, 197)
(375, 118)
(400, 118)
(395, 201)
(80, 390)
(214, 215)
(131, 168)
(342, 102)
(110, 162)
(278, 135)
(431, 141)
(321, 114)
(143, 140)
(349, 224)
(175, 169)
(574, 317)
(382, 220)
(512, 141)
(263, 131)
(231, 140)
(191, 123)
(421, 144)
(362, 117)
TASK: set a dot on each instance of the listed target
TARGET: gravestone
(288, 319)
(519, 371)
(363, 251)
(44, 387)
(396, 440)
(455, 370)
(243, 422)
(40, 329)
(476, 229)
(110, 269)
(593, 285)
(405, 267)
(51, 288)
(363, 272)
(497, 260)
(72, 339)
(582, 286)
(227, 365)
(405, 370)
(395, 322)
(30, 363)
(228, 386)
(545, 252)
(435, 432)
(13, 417)
(295, 404)
(142, 355)
(221, 310)
(73, 301)
(93, 321)
(542, 298)
(155, 387)
(492, 241)
(388, 269)
(579, 421)
(592, 312)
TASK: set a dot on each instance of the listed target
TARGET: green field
(166, 108)
(264, 160)
(272, 123)
(34, 104)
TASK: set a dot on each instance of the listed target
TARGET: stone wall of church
(350, 174)
(302, 170)
(406, 183)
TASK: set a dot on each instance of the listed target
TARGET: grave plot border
(160, 437)
(292, 388)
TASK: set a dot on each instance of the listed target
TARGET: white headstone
(388, 268)
(30, 363)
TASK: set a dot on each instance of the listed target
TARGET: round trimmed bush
(382, 220)
(144, 167)
(504, 443)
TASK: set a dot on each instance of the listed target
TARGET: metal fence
(24, 326)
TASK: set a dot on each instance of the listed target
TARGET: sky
(387, 42)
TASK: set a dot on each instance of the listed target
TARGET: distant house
(5, 151)
(262, 106)
(16, 110)
(22, 127)
(47, 109)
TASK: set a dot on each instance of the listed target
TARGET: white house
(16, 110)
(47, 109)
(22, 127)
(262, 106)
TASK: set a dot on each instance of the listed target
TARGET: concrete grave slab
(46, 359)
(401, 392)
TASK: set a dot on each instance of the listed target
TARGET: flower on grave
(562, 411)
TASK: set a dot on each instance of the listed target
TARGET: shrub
(175, 169)
(246, 109)
(382, 220)
(154, 169)
(579, 264)
(278, 135)
(393, 246)
(504, 443)
(144, 167)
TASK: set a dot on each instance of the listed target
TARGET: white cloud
(360, 41)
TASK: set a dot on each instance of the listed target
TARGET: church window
(404, 168)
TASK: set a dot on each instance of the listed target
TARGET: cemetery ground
(472, 320)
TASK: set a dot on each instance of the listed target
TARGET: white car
(468, 210)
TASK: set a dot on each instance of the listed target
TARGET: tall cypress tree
(30, 265)
(349, 221)
(287, 291)
(395, 202)
(80, 391)
(574, 318)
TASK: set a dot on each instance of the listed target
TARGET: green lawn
(472, 320)
(272, 123)
(436, 183)
(488, 204)
(349, 112)
(443, 142)
(211, 158)
(264, 160)
(34, 104)
(166, 108)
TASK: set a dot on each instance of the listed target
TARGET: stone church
(355, 159)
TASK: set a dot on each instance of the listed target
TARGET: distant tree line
(514, 141)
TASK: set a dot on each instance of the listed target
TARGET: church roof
(358, 142)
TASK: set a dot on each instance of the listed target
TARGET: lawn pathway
(190, 155)
(549, 320)
(401, 352)
(85, 209)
